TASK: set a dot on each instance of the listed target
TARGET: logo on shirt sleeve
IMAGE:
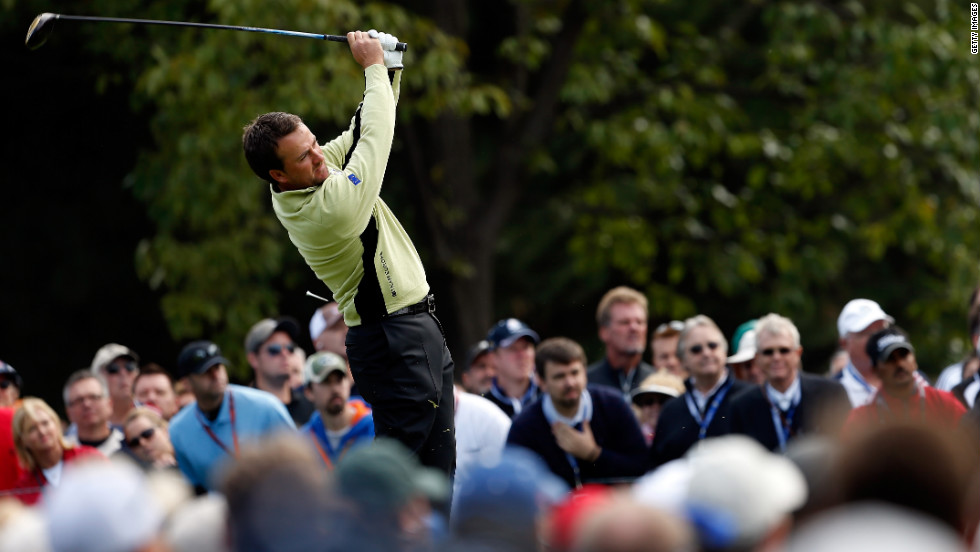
(353, 178)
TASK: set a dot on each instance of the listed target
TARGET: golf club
(43, 24)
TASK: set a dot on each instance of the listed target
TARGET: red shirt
(30, 484)
(9, 467)
(937, 407)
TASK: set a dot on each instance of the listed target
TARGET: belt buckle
(430, 303)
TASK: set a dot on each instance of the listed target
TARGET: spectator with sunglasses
(10, 385)
(226, 416)
(119, 366)
(148, 438)
(88, 406)
(271, 347)
(790, 403)
(704, 410)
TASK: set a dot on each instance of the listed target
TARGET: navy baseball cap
(507, 331)
(883, 343)
(197, 357)
(7, 371)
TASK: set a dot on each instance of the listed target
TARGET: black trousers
(403, 368)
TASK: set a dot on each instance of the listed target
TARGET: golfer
(328, 199)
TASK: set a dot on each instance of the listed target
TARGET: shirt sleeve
(362, 153)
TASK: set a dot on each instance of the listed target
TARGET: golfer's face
(303, 163)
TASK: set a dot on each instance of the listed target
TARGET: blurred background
(725, 158)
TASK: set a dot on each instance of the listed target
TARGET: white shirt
(950, 377)
(702, 398)
(481, 433)
(785, 400)
(859, 391)
(53, 474)
(109, 446)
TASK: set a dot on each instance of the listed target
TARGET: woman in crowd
(148, 437)
(42, 450)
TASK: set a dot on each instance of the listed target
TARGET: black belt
(425, 305)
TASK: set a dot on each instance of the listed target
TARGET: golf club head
(39, 31)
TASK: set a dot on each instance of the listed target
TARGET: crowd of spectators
(694, 446)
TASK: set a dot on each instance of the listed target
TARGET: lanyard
(234, 434)
(323, 453)
(626, 381)
(858, 378)
(782, 421)
(705, 421)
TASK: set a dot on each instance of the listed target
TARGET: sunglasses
(135, 442)
(5, 383)
(114, 369)
(276, 348)
(697, 349)
(781, 350)
(650, 400)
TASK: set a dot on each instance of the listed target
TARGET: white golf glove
(393, 58)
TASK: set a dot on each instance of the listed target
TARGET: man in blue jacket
(207, 435)
(339, 423)
(584, 433)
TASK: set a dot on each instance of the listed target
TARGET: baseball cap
(320, 365)
(739, 491)
(263, 330)
(384, 475)
(8, 371)
(858, 314)
(125, 516)
(197, 357)
(659, 383)
(509, 330)
(475, 351)
(881, 345)
(746, 347)
(110, 352)
(323, 318)
(512, 490)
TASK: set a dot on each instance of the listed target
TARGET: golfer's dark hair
(261, 138)
(558, 350)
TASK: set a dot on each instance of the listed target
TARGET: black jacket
(677, 430)
(615, 430)
(823, 408)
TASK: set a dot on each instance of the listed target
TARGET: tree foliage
(725, 158)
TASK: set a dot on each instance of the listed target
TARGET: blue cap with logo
(509, 330)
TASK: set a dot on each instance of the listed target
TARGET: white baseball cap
(746, 348)
(858, 314)
(740, 486)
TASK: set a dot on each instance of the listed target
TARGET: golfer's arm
(338, 150)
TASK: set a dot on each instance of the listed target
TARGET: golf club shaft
(401, 46)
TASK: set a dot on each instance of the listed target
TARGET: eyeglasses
(84, 398)
(697, 349)
(276, 348)
(5, 383)
(135, 442)
(113, 369)
(672, 326)
(772, 350)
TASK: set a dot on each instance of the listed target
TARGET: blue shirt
(257, 414)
